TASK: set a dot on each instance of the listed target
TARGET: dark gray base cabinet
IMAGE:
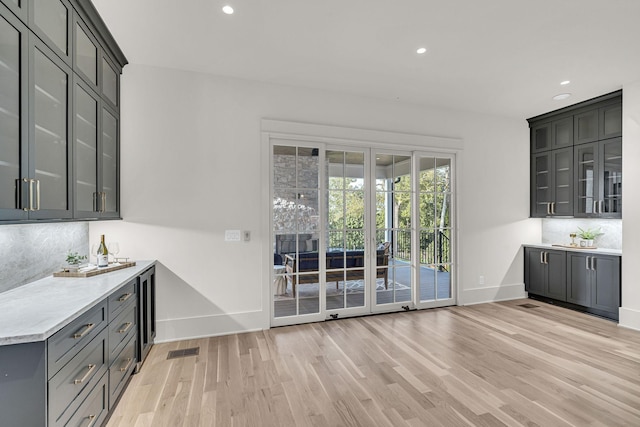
(76, 376)
(583, 281)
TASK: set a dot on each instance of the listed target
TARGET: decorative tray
(95, 271)
(576, 247)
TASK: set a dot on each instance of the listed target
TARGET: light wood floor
(486, 365)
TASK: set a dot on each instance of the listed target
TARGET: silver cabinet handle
(586, 263)
(91, 367)
(595, 206)
(593, 263)
(125, 297)
(104, 201)
(37, 194)
(553, 208)
(125, 328)
(546, 257)
(92, 419)
(601, 208)
(548, 208)
(125, 367)
(541, 257)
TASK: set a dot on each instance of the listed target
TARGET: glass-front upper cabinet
(85, 127)
(19, 7)
(50, 20)
(49, 161)
(110, 82)
(13, 131)
(85, 54)
(110, 147)
(598, 190)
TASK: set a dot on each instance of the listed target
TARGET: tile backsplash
(32, 251)
(556, 230)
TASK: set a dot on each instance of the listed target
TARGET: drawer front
(67, 342)
(80, 374)
(121, 329)
(121, 369)
(121, 298)
(93, 410)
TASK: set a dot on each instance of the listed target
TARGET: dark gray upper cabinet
(56, 54)
(598, 167)
(552, 183)
(586, 127)
(13, 115)
(592, 130)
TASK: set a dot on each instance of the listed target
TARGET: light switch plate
(232, 236)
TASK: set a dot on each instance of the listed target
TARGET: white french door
(359, 230)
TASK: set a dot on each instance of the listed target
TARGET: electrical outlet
(247, 235)
(481, 280)
(232, 236)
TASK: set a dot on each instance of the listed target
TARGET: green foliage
(73, 258)
(589, 234)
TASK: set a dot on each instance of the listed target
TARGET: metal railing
(435, 248)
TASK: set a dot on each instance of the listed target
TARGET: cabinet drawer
(93, 409)
(66, 343)
(121, 368)
(80, 374)
(121, 298)
(121, 329)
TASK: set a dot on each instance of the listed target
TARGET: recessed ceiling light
(566, 82)
(228, 10)
(421, 50)
(561, 96)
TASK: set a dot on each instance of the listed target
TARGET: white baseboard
(629, 318)
(169, 330)
(492, 294)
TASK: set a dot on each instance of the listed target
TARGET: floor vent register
(175, 354)
(527, 305)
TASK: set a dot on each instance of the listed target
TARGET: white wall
(630, 310)
(191, 168)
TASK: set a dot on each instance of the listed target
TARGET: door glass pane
(9, 114)
(85, 127)
(345, 257)
(434, 236)
(109, 82)
(563, 178)
(393, 228)
(109, 160)
(612, 172)
(86, 55)
(296, 283)
(52, 17)
(50, 136)
(586, 182)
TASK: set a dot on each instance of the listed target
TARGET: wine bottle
(103, 253)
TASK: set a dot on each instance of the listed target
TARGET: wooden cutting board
(576, 247)
(95, 272)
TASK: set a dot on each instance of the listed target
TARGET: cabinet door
(585, 127)
(19, 7)
(541, 185)
(556, 265)
(109, 164)
(534, 271)
(13, 115)
(85, 54)
(51, 21)
(610, 177)
(541, 138)
(611, 121)
(85, 125)
(50, 122)
(586, 189)
(578, 279)
(562, 133)
(605, 287)
(110, 83)
(562, 181)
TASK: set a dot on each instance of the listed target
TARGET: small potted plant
(588, 236)
(73, 261)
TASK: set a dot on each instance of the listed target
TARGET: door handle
(586, 263)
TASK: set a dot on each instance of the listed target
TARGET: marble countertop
(35, 311)
(603, 251)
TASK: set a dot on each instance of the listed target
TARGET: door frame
(305, 134)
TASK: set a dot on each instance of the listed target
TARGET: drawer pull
(87, 328)
(126, 328)
(92, 419)
(83, 379)
(129, 361)
(125, 297)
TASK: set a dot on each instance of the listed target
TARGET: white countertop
(550, 246)
(35, 311)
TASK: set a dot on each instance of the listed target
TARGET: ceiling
(504, 57)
